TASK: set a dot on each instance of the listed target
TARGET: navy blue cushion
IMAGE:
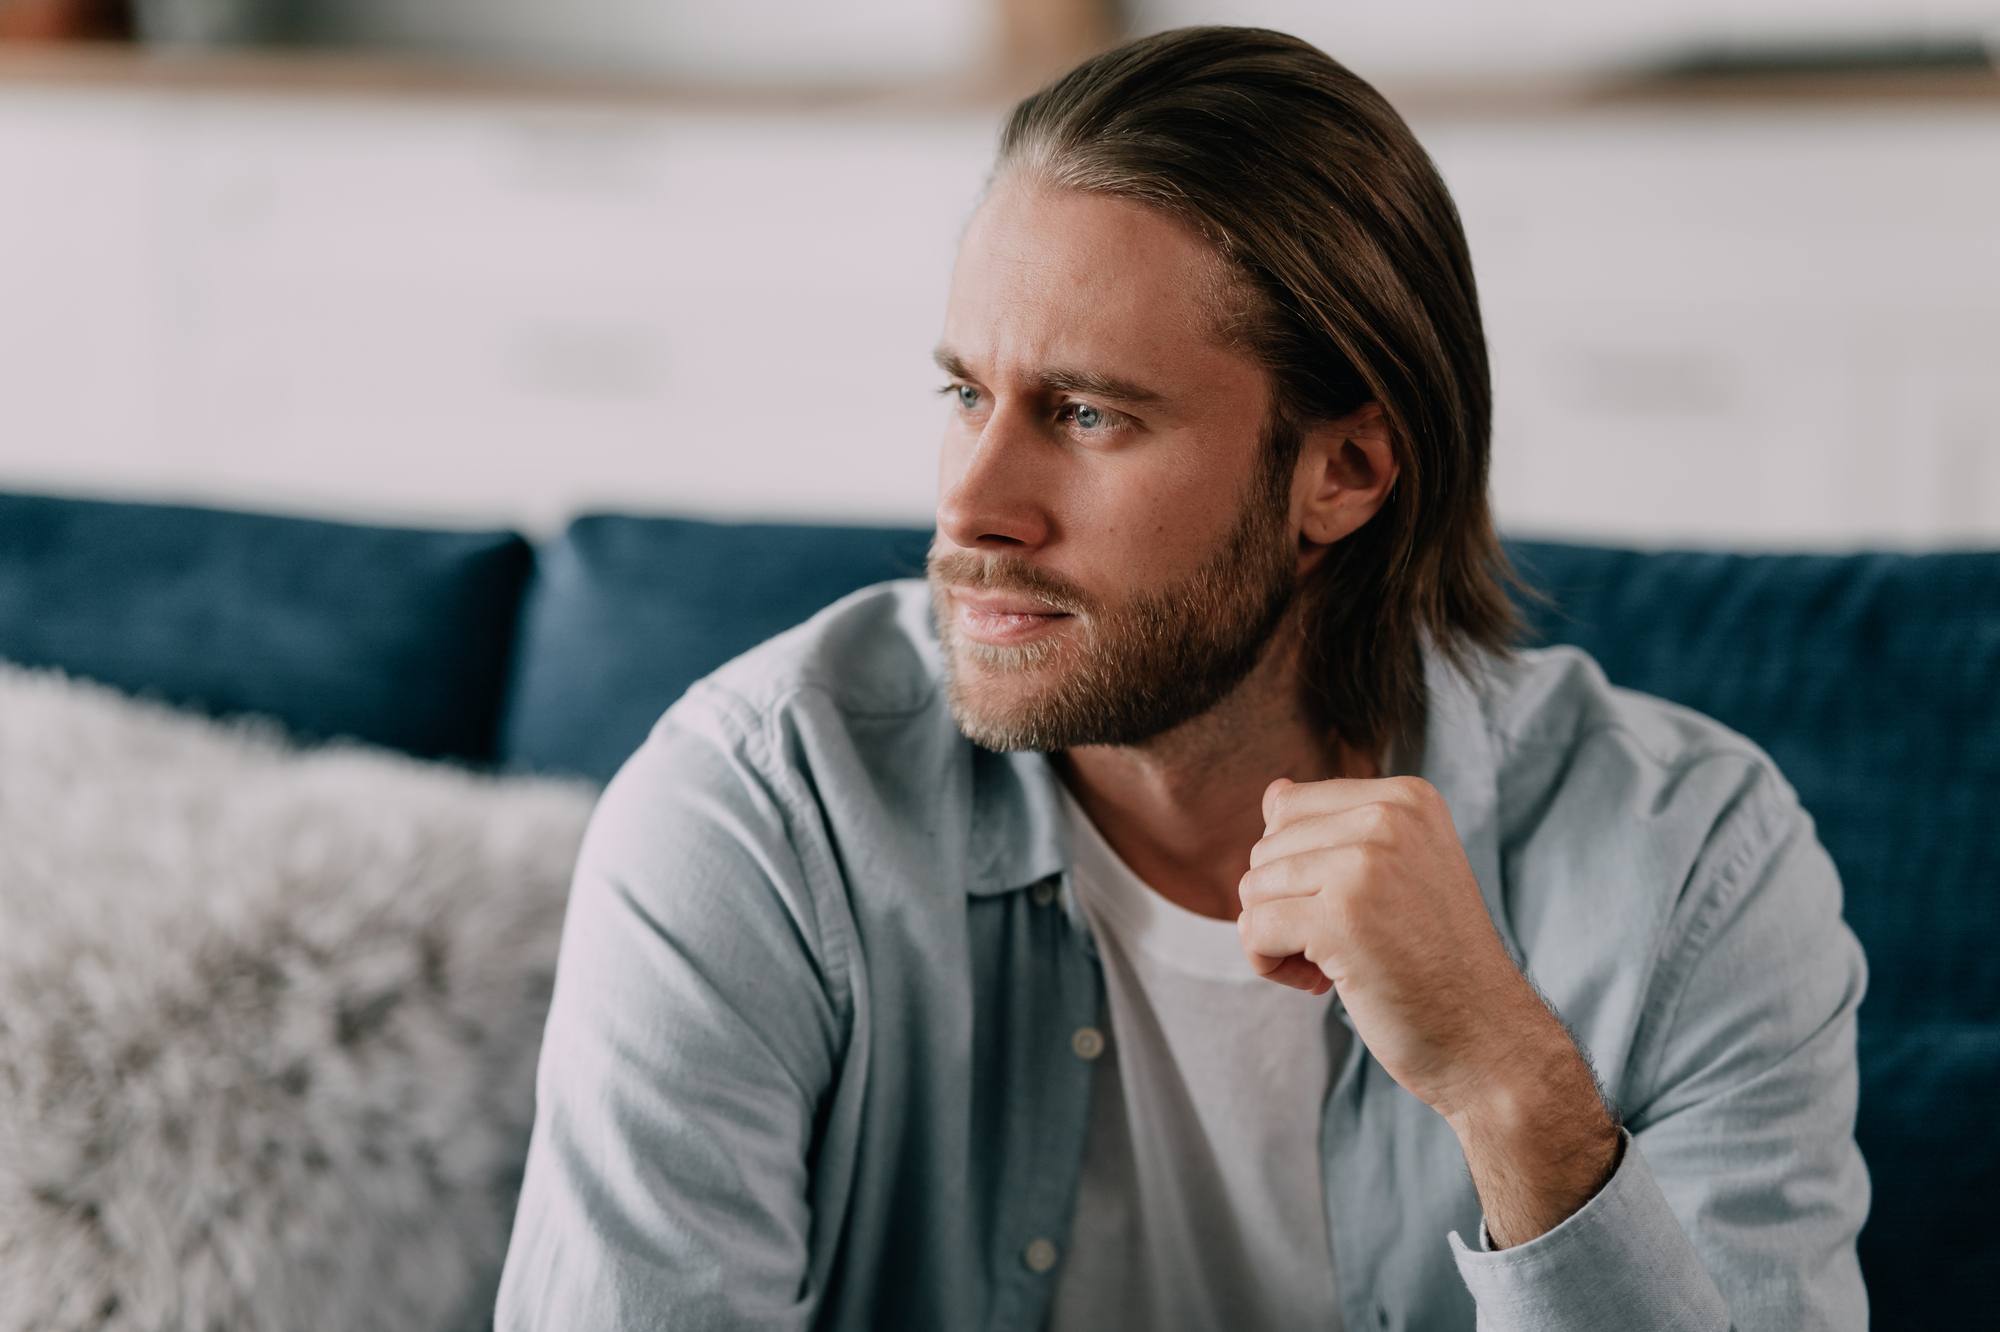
(1874, 681)
(626, 613)
(388, 635)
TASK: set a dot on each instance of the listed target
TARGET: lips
(1003, 619)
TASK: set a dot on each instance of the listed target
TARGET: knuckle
(1375, 821)
(1253, 889)
(1254, 929)
(1371, 858)
(1325, 867)
(1336, 917)
(1287, 875)
(1418, 793)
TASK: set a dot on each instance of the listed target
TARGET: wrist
(1522, 1059)
(1538, 1138)
(1518, 1091)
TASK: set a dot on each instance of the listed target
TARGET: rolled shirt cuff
(1621, 1261)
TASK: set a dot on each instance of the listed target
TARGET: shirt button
(1043, 893)
(1040, 1255)
(1088, 1043)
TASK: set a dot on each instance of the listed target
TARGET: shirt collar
(1460, 761)
(1017, 827)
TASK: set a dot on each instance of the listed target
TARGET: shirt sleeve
(1741, 1192)
(1622, 1261)
(693, 1034)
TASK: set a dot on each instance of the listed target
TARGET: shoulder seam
(1755, 811)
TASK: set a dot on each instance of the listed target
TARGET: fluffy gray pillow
(268, 1020)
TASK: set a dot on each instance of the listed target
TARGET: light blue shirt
(810, 1059)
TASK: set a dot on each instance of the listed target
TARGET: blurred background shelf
(1732, 302)
(319, 72)
(363, 74)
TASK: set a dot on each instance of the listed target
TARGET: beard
(1135, 671)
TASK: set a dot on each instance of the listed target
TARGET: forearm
(1536, 1134)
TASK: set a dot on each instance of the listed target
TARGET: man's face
(1115, 542)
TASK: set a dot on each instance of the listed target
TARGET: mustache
(998, 573)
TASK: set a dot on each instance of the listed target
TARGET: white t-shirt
(1201, 1204)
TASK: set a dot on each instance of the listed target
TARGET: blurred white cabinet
(437, 307)
(1769, 327)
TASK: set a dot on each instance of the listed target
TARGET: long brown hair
(1356, 285)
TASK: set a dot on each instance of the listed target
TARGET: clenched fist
(1362, 885)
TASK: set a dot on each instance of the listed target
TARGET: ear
(1346, 470)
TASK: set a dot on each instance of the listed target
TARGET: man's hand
(1362, 885)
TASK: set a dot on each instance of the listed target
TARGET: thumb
(1271, 800)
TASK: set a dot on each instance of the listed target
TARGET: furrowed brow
(1061, 381)
(1097, 386)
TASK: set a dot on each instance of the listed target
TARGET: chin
(1002, 701)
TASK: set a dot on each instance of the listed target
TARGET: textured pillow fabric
(394, 636)
(268, 1020)
(1874, 681)
(626, 613)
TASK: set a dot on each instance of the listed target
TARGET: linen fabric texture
(625, 613)
(387, 635)
(1871, 680)
(809, 1057)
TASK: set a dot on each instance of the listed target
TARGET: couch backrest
(1874, 681)
(626, 613)
(389, 635)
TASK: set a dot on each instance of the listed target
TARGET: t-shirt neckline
(1184, 940)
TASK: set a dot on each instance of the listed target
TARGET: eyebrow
(1087, 382)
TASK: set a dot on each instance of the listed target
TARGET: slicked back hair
(1354, 285)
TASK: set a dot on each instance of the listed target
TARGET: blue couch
(1874, 680)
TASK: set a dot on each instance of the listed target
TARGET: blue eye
(968, 396)
(1087, 418)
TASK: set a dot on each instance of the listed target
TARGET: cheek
(1154, 523)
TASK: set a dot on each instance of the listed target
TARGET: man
(1169, 918)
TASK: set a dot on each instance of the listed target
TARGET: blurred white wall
(483, 310)
(1728, 326)
(1735, 324)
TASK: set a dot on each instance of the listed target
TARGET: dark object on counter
(41, 21)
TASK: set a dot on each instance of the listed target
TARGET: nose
(992, 486)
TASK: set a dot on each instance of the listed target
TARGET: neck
(1184, 809)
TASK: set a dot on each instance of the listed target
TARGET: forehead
(1046, 273)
